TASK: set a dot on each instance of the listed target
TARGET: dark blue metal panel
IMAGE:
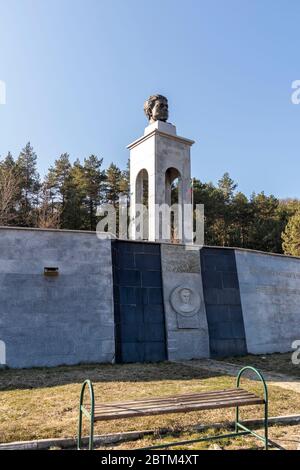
(139, 311)
(223, 302)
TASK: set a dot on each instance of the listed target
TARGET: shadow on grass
(16, 379)
(276, 363)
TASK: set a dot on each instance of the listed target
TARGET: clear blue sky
(77, 74)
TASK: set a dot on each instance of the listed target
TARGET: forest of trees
(260, 222)
(68, 196)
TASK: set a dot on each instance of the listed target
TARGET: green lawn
(42, 403)
(287, 437)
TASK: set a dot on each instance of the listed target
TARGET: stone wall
(186, 323)
(164, 301)
(47, 321)
(270, 295)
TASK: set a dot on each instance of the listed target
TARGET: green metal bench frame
(240, 429)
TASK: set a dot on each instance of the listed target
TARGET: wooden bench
(230, 398)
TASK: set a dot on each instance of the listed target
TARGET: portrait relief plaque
(185, 301)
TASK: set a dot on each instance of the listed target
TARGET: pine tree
(10, 191)
(113, 184)
(227, 186)
(265, 226)
(291, 236)
(73, 215)
(48, 215)
(60, 184)
(9, 161)
(241, 220)
(58, 177)
(116, 184)
(93, 179)
(76, 189)
(30, 184)
(125, 180)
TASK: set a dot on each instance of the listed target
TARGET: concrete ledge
(108, 439)
(191, 247)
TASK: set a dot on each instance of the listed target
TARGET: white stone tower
(157, 159)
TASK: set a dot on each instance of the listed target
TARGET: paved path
(279, 380)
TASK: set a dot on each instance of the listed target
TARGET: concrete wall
(251, 302)
(270, 296)
(233, 302)
(67, 319)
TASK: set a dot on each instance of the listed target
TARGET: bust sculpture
(156, 108)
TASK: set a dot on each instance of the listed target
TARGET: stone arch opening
(142, 204)
(173, 198)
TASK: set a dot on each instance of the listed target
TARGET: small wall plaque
(51, 271)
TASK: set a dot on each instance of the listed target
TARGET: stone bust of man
(156, 108)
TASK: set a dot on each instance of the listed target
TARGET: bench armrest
(90, 414)
(260, 376)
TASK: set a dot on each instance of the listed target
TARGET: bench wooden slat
(178, 409)
(111, 407)
(177, 404)
(119, 410)
(146, 401)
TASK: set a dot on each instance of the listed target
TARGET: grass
(43, 403)
(279, 363)
(223, 443)
(287, 437)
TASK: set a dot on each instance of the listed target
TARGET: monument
(117, 300)
(157, 160)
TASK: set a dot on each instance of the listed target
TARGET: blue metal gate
(223, 303)
(139, 311)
